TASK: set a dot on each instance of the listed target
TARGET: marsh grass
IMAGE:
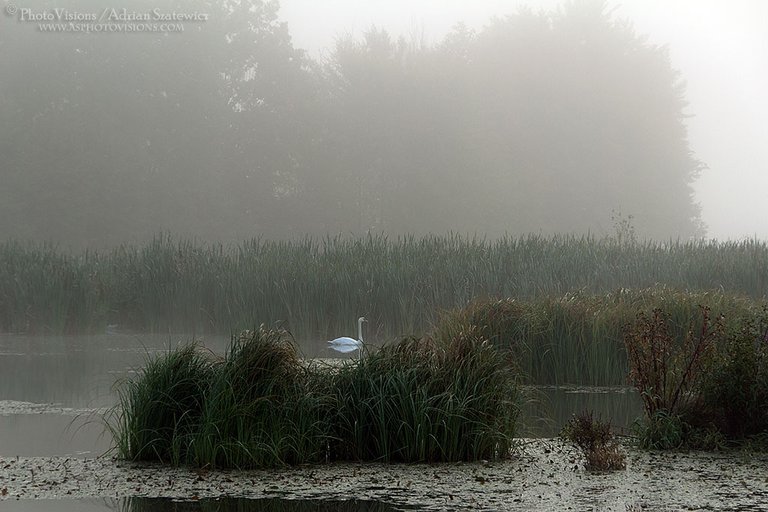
(159, 412)
(263, 408)
(579, 338)
(427, 400)
(262, 405)
(315, 286)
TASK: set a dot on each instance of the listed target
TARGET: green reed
(159, 413)
(447, 399)
(579, 338)
(315, 286)
(261, 406)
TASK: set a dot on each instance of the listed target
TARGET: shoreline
(544, 474)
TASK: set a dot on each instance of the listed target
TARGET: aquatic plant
(667, 372)
(264, 407)
(159, 412)
(578, 338)
(315, 285)
(596, 441)
(427, 400)
(736, 388)
(261, 405)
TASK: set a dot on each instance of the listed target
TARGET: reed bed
(314, 286)
(419, 400)
(578, 338)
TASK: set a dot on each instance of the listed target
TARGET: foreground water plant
(262, 405)
(426, 399)
(159, 412)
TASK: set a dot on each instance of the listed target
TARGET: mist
(282, 121)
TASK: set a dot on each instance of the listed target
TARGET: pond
(54, 390)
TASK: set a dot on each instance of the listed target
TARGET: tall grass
(160, 411)
(450, 399)
(264, 407)
(316, 286)
(579, 338)
(261, 406)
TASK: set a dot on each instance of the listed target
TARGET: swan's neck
(360, 330)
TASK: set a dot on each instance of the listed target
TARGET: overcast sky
(719, 46)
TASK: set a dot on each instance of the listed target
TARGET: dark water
(55, 390)
(217, 505)
(547, 409)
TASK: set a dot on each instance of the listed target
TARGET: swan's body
(346, 344)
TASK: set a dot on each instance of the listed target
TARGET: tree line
(539, 122)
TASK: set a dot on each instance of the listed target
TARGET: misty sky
(720, 47)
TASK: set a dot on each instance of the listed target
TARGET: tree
(542, 122)
(114, 137)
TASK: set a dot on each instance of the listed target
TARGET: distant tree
(395, 145)
(115, 137)
(541, 122)
(583, 116)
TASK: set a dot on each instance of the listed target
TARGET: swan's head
(361, 320)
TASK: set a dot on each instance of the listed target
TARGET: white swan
(346, 344)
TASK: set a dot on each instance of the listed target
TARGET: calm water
(54, 390)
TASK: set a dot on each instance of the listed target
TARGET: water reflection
(76, 371)
(547, 409)
(53, 435)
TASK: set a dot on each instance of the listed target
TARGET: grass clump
(263, 408)
(427, 400)
(261, 405)
(596, 441)
(159, 413)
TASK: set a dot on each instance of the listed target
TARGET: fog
(224, 121)
(720, 48)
